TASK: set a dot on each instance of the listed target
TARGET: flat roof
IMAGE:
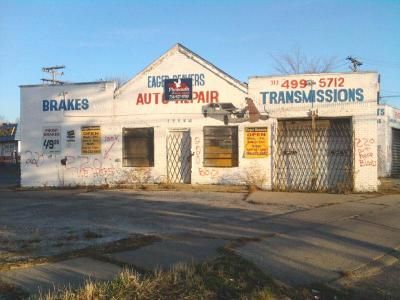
(311, 74)
(64, 84)
(390, 105)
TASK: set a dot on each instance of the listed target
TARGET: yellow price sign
(256, 142)
(91, 140)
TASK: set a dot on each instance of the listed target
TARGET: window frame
(234, 151)
(129, 160)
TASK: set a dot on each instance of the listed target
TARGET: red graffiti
(364, 150)
(197, 149)
(85, 166)
(213, 173)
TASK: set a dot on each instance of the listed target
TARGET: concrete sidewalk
(322, 244)
(69, 273)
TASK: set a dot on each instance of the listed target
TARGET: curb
(372, 268)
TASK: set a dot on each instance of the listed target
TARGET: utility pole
(355, 63)
(53, 71)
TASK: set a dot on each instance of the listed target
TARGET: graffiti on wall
(95, 166)
(110, 141)
(88, 166)
(209, 172)
(203, 172)
(197, 150)
(364, 150)
(37, 159)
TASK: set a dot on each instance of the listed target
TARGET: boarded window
(138, 147)
(220, 146)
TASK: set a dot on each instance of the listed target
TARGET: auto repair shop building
(388, 141)
(228, 133)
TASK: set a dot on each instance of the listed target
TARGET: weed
(255, 178)
(226, 277)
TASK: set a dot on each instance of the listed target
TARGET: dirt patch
(130, 243)
(148, 187)
(91, 235)
(10, 292)
(389, 185)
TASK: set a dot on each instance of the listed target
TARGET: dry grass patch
(226, 277)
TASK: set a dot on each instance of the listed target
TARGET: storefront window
(138, 147)
(220, 146)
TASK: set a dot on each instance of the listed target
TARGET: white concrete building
(340, 152)
(388, 141)
(228, 132)
(9, 143)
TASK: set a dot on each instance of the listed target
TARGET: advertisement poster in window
(51, 140)
(178, 89)
(256, 142)
(91, 140)
(70, 138)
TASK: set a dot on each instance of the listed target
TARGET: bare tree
(3, 119)
(120, 80)
(298, 63)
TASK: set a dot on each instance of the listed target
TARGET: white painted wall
(164, 116)
(130, 106)
(39, 168)
(113, 112)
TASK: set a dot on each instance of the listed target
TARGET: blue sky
(103, 39)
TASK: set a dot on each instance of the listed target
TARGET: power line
(381, 61)
(391, 96)
(383, 65)
(391, 92)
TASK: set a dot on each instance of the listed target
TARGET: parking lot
(297, 238)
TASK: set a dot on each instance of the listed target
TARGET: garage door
(396, 153)
(307, 159)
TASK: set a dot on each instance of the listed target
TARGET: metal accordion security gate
(313, 156)
(395, 153)
(179, 156)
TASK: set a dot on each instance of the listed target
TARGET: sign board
(256, 142)
(178, 89)
(90, 140)
(70, 138)
(7, 132)
(51, 139)
(308, 89)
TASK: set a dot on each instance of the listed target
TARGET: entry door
(307, 159)
(179, 156)
(395, 152)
